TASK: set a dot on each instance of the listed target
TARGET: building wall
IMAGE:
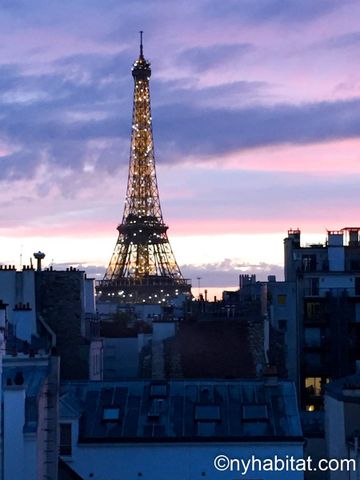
(30, 457)
(19, 287)
(352, 418)
(120, 357)
(60, 300)
(30, 418)
(283, 311)
(24, 323)
(176, 461)
(335, 429)
(163, 330)
(89, 296)
(14, 420)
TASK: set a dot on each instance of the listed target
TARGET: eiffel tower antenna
(143, 266)
(141, 44)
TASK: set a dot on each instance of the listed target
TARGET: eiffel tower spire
(143, 266)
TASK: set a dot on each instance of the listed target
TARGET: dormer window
(111, 414)
(255, 413)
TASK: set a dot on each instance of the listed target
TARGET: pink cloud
(331, 158)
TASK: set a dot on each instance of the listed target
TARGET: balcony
(323, 293)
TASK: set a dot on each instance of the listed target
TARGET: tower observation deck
(142, 267)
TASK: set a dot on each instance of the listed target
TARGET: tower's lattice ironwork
(143, 265)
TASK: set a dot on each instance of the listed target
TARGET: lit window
(314, 385)
(281, 299)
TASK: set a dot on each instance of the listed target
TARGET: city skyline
(253, 134)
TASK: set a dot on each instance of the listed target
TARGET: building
(342, 423)
(30, 417)
(50, 308)
(65, 300)
(327, 282)
(283, 327)
(153, 429)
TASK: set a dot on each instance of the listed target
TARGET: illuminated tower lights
(143, 266)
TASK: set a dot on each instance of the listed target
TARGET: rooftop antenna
(21, 256)
(141, 43)
(198, 279)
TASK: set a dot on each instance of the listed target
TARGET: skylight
(255, 413)
(158, 390)
(111, 414)
(207, 413)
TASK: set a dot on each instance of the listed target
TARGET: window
(155, 408)
(309, 263)
(313, 362)
(206, 429)
(312, 310)
(281, 299)
(357, 285)
(283, 325)
(158, 390)
(312, 337)
(314, 286)
(207, 413)
(314, 385)
(65, 439)
(255, 413)
(207, 417)
(111, 414)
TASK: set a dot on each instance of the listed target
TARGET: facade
(17, 289)
(276, 301)
(342, 423)
(157, 429)
(282, 316)
(29, 435)
(327, 281)
(65, 301)
(50, 308)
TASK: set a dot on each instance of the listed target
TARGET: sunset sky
(256, 116)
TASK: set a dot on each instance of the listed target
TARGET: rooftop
(133, 411)
(346, 388)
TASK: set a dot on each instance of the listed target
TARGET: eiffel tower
(143, 267)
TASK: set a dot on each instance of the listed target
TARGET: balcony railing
(331, 292)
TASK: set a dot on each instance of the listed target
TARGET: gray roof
(180, 410)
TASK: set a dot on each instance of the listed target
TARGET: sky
(256, 117)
